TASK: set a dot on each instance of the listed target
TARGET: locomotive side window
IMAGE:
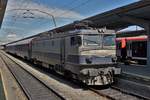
(72, 40)
(76, 40)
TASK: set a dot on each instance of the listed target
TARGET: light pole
(53, 18)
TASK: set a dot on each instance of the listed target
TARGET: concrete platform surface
(11, 88)
(142, 71)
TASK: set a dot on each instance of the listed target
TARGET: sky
(25, 18)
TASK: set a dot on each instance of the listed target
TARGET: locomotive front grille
(100, 76)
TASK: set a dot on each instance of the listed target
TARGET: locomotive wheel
(68, 74)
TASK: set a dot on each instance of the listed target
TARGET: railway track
(124, 89)
(116, 94)
(133, 87)
(112, 93)
(33, 88)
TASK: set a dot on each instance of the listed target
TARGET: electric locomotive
(87, 55)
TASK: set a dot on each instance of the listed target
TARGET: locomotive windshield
(106, 41)
(91, 40)
(109, 40)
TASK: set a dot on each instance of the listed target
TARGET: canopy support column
(148, 45)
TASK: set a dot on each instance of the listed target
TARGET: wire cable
(80, 5)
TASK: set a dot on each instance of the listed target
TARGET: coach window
(76, 40)
(119, 45)
(128, 46)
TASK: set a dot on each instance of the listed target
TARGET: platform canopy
(137, 13)
(134, 14)
(3, 4)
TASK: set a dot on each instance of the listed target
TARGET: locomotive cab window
(109, 40)
(76, 40)
(92, 40)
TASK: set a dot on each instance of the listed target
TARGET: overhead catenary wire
(73, 8)
(21, 4)
(55, 9)
(65, 5)
(14, 19)
(24, 4)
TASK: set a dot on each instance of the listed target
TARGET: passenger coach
(132, 47)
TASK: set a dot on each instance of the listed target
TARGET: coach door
(62, 51)
(123, 49)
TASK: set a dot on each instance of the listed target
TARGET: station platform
(12, 90)
(140, 71)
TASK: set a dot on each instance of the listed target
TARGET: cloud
(12, 37)
(10, 28)
(57, 12)
(9, 38)
(22, 27)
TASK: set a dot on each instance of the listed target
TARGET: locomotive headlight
(88, 60)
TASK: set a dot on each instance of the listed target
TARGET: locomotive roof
(76, 32)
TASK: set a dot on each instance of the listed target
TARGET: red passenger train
(131, 47)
